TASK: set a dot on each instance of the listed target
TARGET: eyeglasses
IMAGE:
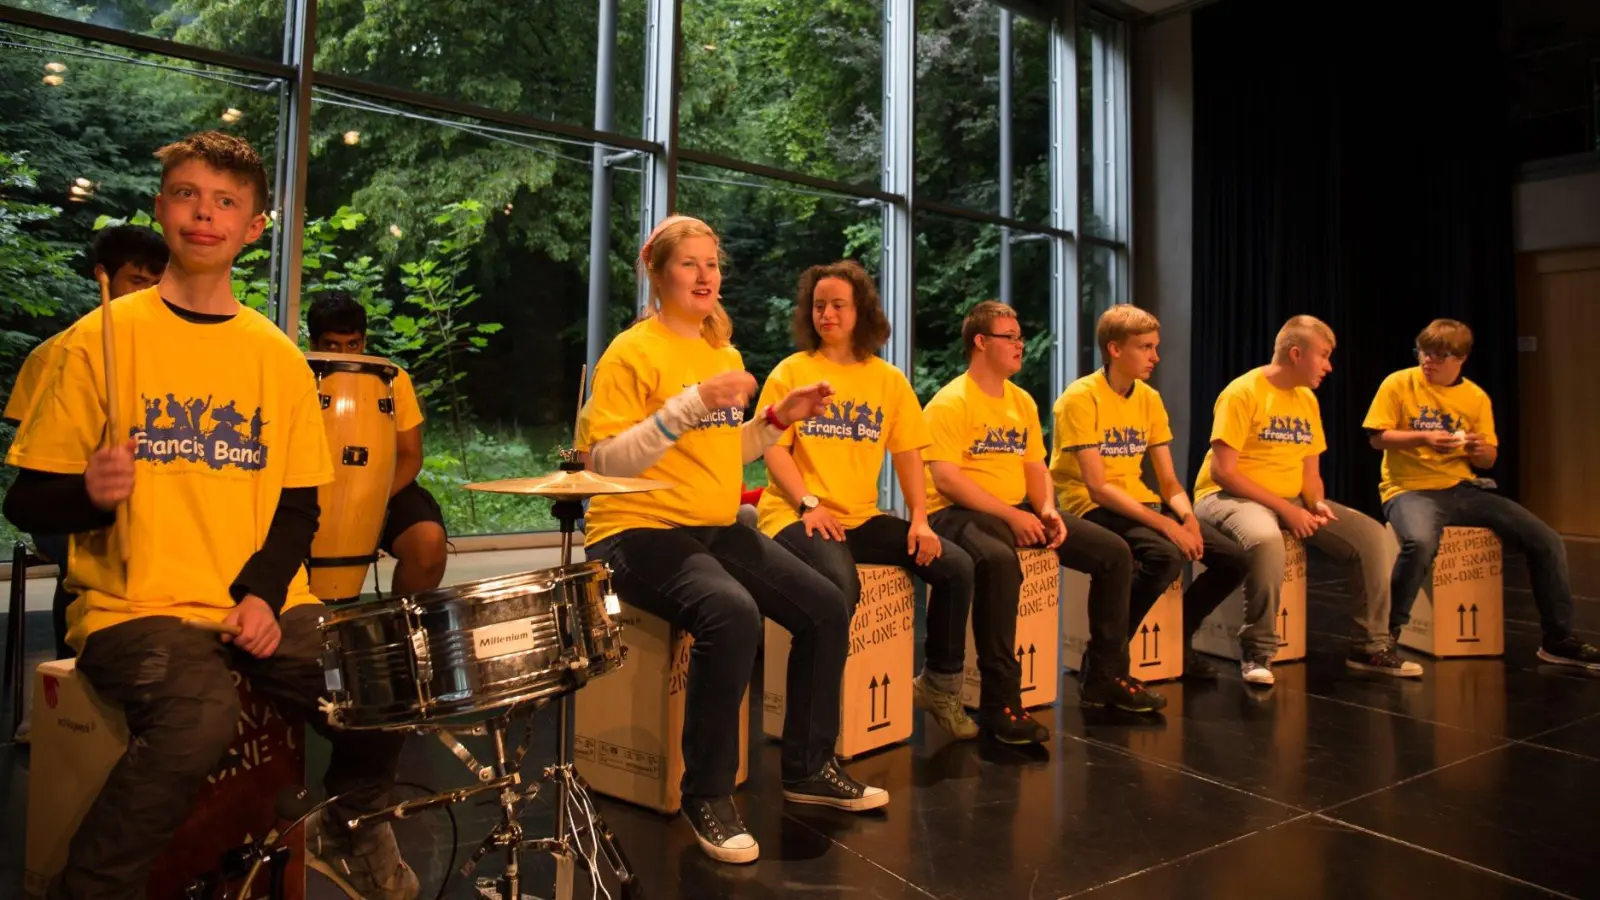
(1437, 357)
(1013, 338)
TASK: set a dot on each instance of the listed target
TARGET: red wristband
(774, 421)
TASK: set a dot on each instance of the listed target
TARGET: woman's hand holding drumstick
(116, 469)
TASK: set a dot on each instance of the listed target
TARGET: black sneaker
(1383, 662)
(1122, 692)
(1571, 652)
(719, 829)
(833, 786)
(1198, 668)
(1013, 726)
(367, 859)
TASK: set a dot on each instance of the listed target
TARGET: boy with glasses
(1435, 428)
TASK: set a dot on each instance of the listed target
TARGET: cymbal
(569, 484)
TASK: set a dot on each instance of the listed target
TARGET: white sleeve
(630, 453)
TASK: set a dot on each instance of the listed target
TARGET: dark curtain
(1351, 162)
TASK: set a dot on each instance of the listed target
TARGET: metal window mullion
(1065, 296)
(294, 126)
(600, 187)
(659, 186)
(898, 267)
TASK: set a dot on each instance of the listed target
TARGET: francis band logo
(1124, 442)
(1286, 430)
(1430, 419)
(721, 417)
(852, 420)
(996, 440)
(179, 430)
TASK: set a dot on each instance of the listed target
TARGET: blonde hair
(1446, 336)
(1121, 322)
(716, 328)
(1297, 332)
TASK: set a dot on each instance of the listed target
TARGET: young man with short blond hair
(1107, 423)
(1435, 428)
(1262, 476)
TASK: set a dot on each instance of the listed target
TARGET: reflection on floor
(1466, 784)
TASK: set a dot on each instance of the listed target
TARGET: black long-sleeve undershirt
(48, 503)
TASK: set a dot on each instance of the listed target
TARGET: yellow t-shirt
(1273, 429)
(407, 411)
(988, 437)
(1091, 414)
(840, 452)
(225, 416)
(31, 378)
(1406, 401)
(644, 367)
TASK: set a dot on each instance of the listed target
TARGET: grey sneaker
(367, 858)
(1256, 671)
(946, 708)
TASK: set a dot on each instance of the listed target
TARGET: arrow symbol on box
(1474, 620)
(1157, 639)
(1144, 642)
(873, 687)
(1461, 615)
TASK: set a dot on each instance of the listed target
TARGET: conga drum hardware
(356, 394)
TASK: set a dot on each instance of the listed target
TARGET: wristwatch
(807, 504)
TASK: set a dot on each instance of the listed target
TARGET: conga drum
(357, 398)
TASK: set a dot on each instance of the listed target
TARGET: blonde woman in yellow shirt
(669, 404)
(821, 500)
(1435, 428)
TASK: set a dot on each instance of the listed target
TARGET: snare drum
(453, 653)
(358, 413)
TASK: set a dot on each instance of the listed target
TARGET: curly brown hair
(872, 327)
(223, 152)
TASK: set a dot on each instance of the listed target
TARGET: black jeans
(173, 685)
(717, 583)
(881, 540)
(1157, 561)
(998, 581)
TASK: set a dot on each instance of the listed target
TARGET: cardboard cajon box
(876, 696)
(1038, 633)
(78, 738)
(1219, 633)
(1156, 651)
(629, 723)
(1460, 611)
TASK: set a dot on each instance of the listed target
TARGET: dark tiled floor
(1468, 784)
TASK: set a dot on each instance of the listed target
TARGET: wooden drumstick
(215, 627)
(108, 343)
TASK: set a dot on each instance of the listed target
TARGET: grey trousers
(1352, 539)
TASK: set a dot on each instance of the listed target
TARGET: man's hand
(922, 544)
(820, 519)
(728, 389)
(1055, 530)
(1479, 452)
(1187, 537)
(1442, 441)
(109, 476)
(1027, 528)
(258, 627)
(1324, 513)
(1300, 522)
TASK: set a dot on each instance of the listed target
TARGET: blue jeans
(1419, 519)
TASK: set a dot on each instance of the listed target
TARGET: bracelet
(772, 419)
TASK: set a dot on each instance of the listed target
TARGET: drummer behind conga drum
(216, 462)
(413, 532)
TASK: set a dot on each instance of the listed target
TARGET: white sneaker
(1256, 671)
(24, 730)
